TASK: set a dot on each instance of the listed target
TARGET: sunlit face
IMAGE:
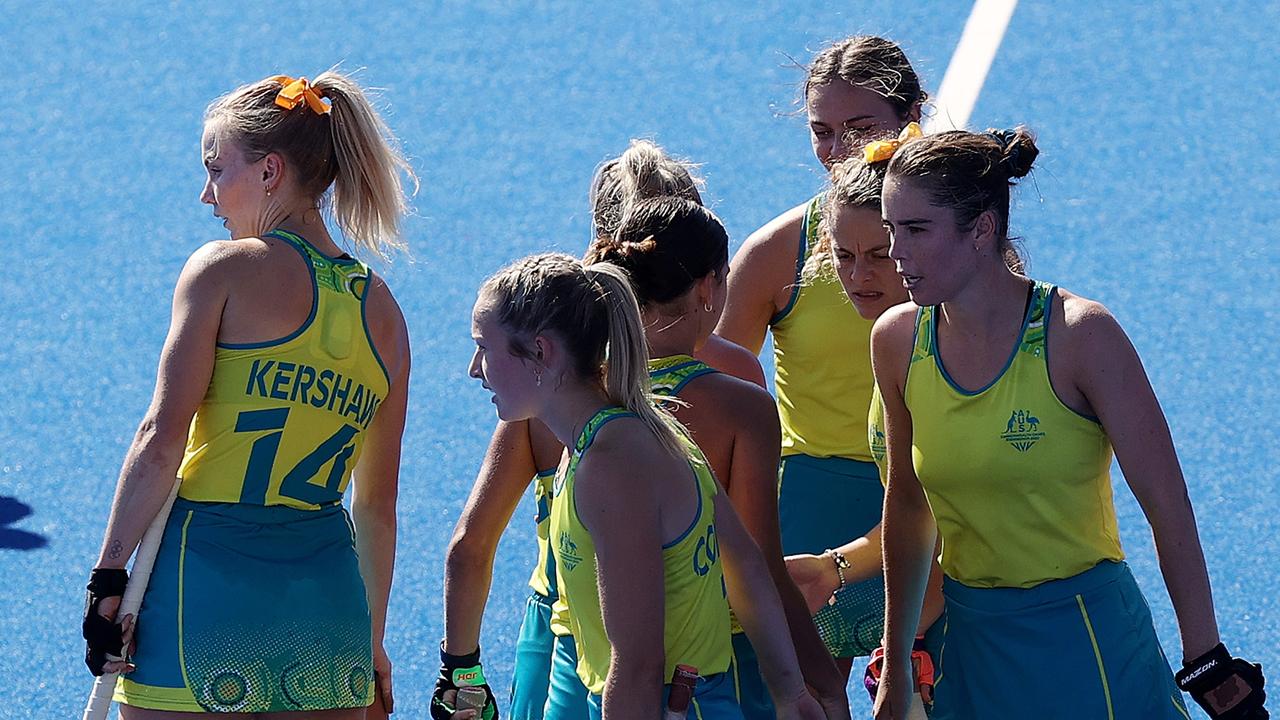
(234, 186)
(934, 257)
(862, 261)
(843, 117)
(513, 380)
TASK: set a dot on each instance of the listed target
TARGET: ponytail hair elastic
(1018, 151)
(298, 91)
(882, 150)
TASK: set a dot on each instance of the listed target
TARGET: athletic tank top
(696, 615)
(543, 580)
(875, 434)
(668, 377)
(283, 421)
(1019, 483)
(822, 360)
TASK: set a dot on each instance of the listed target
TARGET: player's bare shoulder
(387, 327)
(730, 357)
(892, 339)
(222, 263)
(1081, 324)
(775, 241)
(730, 402)
(1086, 344)
(622, 450)
(896, 327)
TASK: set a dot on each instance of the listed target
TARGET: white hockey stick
(100, 698)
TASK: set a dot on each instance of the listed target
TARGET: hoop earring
(706, 307)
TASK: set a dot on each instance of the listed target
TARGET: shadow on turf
(11, 511)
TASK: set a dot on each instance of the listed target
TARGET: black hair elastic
(1010, 150)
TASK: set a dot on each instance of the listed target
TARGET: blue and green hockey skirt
(1080, 647)
(253, 609)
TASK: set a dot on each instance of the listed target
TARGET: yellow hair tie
(298, 91)
(882, 150)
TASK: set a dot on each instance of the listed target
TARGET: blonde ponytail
(368, 197)
(643, 171)
(346, 148)
(626, 366)
(594, 312)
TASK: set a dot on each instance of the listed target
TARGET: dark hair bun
(665, 244)
(1018, 151)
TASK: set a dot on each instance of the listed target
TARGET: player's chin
(509, 413)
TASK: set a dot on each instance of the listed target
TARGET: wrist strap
(459, 661)
(841, 564)
(107, 582)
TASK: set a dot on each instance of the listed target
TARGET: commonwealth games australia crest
(569, 554)
(1022, 431)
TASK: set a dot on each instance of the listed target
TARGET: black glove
(102, 636)
(459, 671)
(1227, 688)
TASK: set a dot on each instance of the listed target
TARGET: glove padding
(1227, 688)
(921, 669)
(104, 639)
(458, 671)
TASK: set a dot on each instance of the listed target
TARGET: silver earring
(706, 307)
(537, 379)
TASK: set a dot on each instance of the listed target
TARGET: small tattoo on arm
(116, 549)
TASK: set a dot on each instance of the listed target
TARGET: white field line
(970, 63)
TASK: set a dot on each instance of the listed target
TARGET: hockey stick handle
(104, 686)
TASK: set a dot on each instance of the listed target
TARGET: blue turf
(1155, 194)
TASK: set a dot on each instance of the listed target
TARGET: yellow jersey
(1019, 483)
(822, 361)
(875, 434)
(696, 615)
(667, 376)
(543, 580)
(283, 421)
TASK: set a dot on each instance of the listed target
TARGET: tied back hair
(643, 170)
(666, 245)
(594, 313)
(347, 160)
(971, 173)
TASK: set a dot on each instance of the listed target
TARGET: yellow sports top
(667, 376)
(875, 434)
(696, 617)
(283, 421)
(1019, 483)
(822, 356)
(543, 580)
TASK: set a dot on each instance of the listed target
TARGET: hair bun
(1018, 150)
(604, 248)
